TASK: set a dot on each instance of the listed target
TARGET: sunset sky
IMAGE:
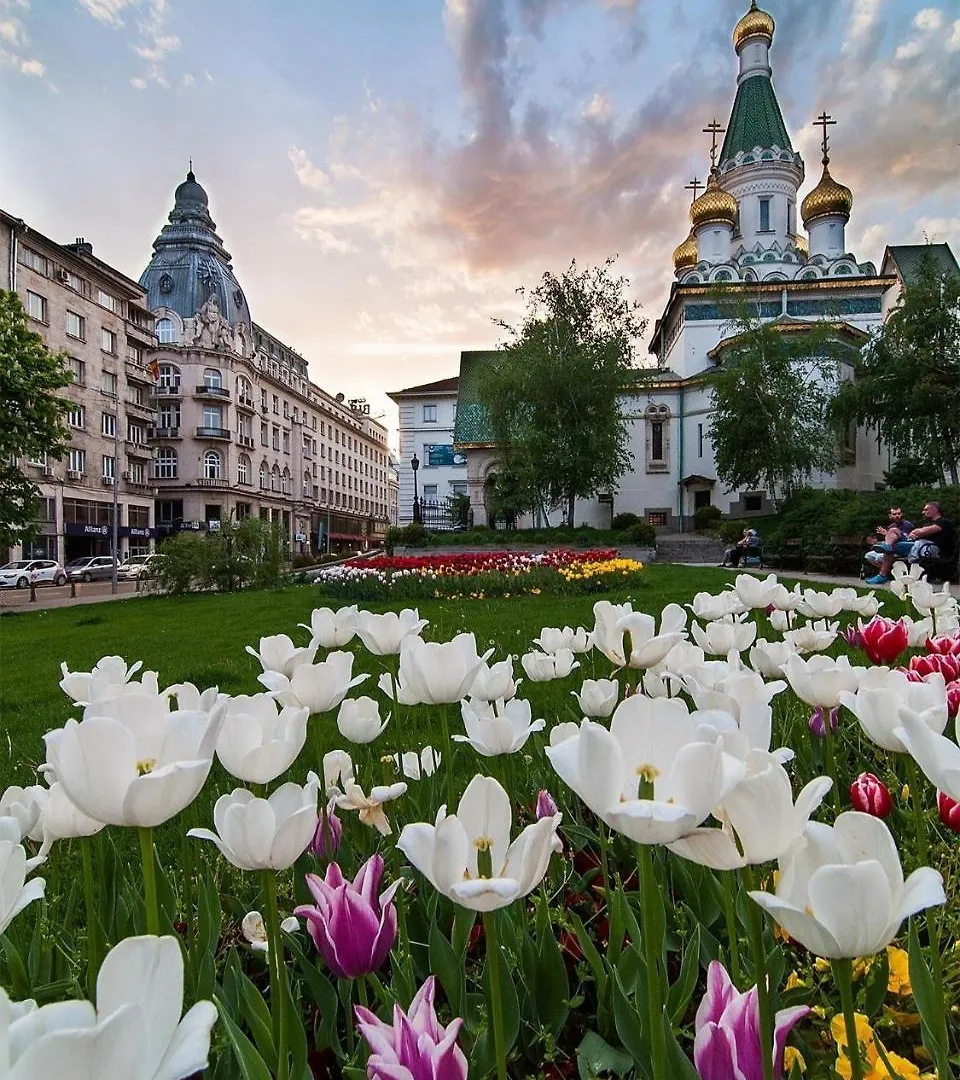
(386, 173)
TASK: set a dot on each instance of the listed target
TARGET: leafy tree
(908, 379)
(30, 376)
(908, 470)
(553, 394)
(772, 395)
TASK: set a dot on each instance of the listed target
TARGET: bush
(731, 531)
(641, 533)
(300, 562)
(235, 555)
(624, 521)
(706, 518)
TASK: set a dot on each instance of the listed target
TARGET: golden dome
(828, 197)
(800, 243)
(754, 23)
(686, 253)
(714, 205)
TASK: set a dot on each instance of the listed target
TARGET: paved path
(49, 596)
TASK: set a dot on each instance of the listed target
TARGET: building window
(263, 400)
(108, 425)
(263, 476)
(75, 367)
(656, 440)
(36, 306)
(213, 417)
(165, 463)
(108, 301)
(75, 417)
(75, 325)
(276, 405)
(791, 217)
(109, 467)
(764, 215)
(286, 410)
(657, 518)
(77, 461)
(275, 478)
(137, 476)
(429, 414)
(243, 469)
(276, 437)
(134, 354)
(285, 482)
(75, 282)
(108, 341)
(166, 333)
(264, 434)
(169, 377)
(430, 491)
(242, 511)
(212, 379)
(109, 383)
(211, 465)
(168, 415)
(34, 260)
(752, 504)
(286, 442)
(135, 434)
(699, 440)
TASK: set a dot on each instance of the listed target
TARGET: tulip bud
(949, 810)
(852, 636)
(884, 640)
(546, 806)
(869, 795)
(817, 722)
(326, 839)
(953, 699)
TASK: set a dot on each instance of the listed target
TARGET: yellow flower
(791, 1057)
(821, 965)
(905, 792)
(898, 981)
(903, 1020)
(794, 981)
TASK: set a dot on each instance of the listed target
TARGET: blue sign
(439, 454)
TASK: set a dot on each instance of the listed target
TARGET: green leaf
(597, 1058)
(552, 988)
(628, 1023)
(324, 996)
(447, 968)
(875, 986)
(589, 951)
(931, 1009)
(18, 972)
(252, 1065)
(254, 1011)
(678, 997)
(679, 1066)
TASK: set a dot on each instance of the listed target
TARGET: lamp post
(114, 396)
(415, 464)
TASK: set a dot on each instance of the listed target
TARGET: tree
(30, 376)
(553, 394)
(908, 378)
(772, 395)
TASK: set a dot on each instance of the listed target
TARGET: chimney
(80, 246)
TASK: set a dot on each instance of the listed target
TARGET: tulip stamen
(147, 765)
(484, 846)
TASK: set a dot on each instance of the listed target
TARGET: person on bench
(748, 544)
(933, 540)
(891, 537)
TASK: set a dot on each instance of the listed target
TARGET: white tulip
(468, 856)
(784, 599)
(759, 813)
(384, 635)
(724, 636)
(62, 820)
(654, 776)
(254, 929)
(337, 770)
(812, 637)
(495, 682)
(415, 766)
(754, 593)
(647, 647)
(501, 729)
(937, 756)
(708, 606)
(751, 730)
(864, 606)
(552, 640)
(331, 629)
(370, 807)
(404, 695)
(317, 687)
(768, 657)
(739, 689)
(780, 621)
(108, 678)
(598, 697)
(544, 667)
(264, 834)
(607, 633)
(278, 653)
(927, 600)
(15, 891)
(259, 739)
(359, 720)
(561, 732)
(189, 697)
(905, 578)
(131, 761)
(841, 892)
(821, 680)
(440, 673)
(135, 1032)
(918, 630)
(881, 695)
(820, 605)
(26, 806)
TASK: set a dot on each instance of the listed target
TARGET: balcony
(214, 433)
(137, 372)
(138, 449)
(218, 392)
(245, 403)
(140, 409)
(245, 440)
(141, 333)
(163, 433)
(207, 482)
(162, 390)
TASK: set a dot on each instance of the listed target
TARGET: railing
(137, 448)
(212, 391)
(163, 433)
(214, 433)
(245, 440)
(209, 482)
(132, 403)
(244, 402)
(162, 390)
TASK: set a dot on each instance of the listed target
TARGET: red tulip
(869, 795)
(948, 664)
(944, 644)
(949, 810)
(953, 699)
(883, 640)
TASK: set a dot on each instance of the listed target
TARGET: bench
(939, 569)
(790, 554)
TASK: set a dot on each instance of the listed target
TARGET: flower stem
(93, 924)
(496, 998)
(843, 977)
(830, 758)
(730, 912)
(651, 900)
(147, 857)
(278, 990)
(760, 974)
(448, 757)
(604, 860)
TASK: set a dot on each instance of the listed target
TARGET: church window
(808, 275)
(700, 440)
(766, 156)
(764, 215)
(843, 270)
(723, 275)
(750, 275)
(166, 334)
(656, 440)
(791, 217)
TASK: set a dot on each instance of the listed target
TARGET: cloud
(138, 83)
(13, 33)
(599, 107)
(309, 175)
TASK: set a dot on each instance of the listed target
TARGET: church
(781, 260)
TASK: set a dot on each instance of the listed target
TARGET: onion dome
(755, 23)
(715, 206)
(828, 198)
(800, 243)
(686, 253)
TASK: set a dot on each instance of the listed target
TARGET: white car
(138, 566)
(18, 575)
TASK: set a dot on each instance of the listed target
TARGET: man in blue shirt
(931, 540)
(892, 537)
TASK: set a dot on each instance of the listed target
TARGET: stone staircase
(689, 548)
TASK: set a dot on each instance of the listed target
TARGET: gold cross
(695, 185)
(713, 129)
(825, 120)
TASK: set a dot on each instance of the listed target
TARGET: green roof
(473, 422)
(756, 120)
(908, 257)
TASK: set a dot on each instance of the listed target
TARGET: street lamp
(415, 464)
(114, 396)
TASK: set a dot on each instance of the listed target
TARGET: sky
(388, 173)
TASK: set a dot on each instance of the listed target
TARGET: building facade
(100, 319)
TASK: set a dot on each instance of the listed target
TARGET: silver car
(19, 575)
(91, 568)
(138, 566)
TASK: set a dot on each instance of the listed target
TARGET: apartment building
(100, 318)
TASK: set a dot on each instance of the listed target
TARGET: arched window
(275, 478)
(244, 388)
(165, 463)
(808, 275)
(843, 270)
(723, 275)
(285, 480)
(212, 465)
(243, 469)
(307, 481)
(212, 379)
(750, 275)
(169, 376)
(263, 476)
(166, 331)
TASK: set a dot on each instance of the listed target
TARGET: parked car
(90, 568)
(139, 566)
(18, 575)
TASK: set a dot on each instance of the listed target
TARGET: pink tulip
(818, 723)
(727, 1026)
(869, 795)
(326, 840)
(414, 1046)
(546, 805)
(945, 644)
(883, 640)
(352, 928)
(851, 635)
(949, 811)
(948, 664)
(953, 699)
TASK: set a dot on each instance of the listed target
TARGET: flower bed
(640, 861)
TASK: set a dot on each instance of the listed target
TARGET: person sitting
(931, 541)
(749, 541)
(891, 537)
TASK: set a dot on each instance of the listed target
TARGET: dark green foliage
(624, 521)
(459, 508)
(232, 557)
(909, 470)
(641, 533)
(706, 517)
(30, 376)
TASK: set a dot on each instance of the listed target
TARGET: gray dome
(190, 263)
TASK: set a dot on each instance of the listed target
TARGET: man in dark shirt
(932, 540)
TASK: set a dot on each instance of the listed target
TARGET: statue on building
(207, 324)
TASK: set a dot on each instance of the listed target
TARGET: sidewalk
(17, 600)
